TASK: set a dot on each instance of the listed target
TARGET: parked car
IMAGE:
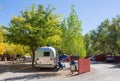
(27, 59)
(92, 58)
(110, 59)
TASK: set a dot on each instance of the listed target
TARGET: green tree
(72, 39)
(114, 34)
(106, 38)
(89, 45)
(34, 28)
(100, 39)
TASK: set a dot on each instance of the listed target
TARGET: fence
(100, 58)
(103, 58)
(117, 58)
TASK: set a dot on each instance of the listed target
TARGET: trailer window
(46, 53)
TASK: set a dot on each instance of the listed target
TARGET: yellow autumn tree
(2, 48)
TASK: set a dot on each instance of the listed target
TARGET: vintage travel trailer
(46, 57)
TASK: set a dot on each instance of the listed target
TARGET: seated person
(61, 66)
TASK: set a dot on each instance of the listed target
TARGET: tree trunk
(33, 57)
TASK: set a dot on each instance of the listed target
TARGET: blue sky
(90, 12)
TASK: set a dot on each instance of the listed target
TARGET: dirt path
(21, 71)
(24, 72)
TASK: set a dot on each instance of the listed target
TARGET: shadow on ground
(21, 67)
(26, 68)
(29, 77)
(97, 62)
(116, 66)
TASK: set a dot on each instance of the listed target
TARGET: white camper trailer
(46, 57)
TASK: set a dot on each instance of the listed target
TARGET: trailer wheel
(56, 68)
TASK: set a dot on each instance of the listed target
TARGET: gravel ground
(23, 72)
